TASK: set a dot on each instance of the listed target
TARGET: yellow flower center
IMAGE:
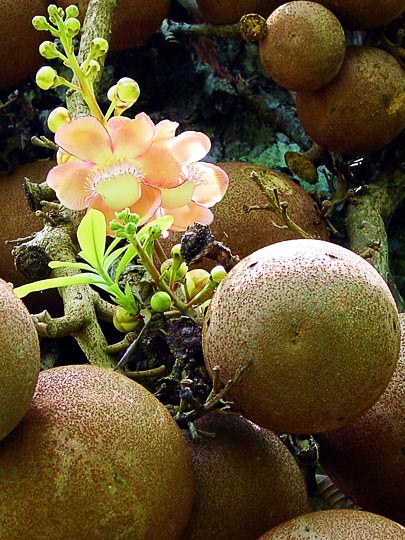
(118, 183)
(178, 196)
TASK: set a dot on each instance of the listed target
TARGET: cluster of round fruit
(349, 99)
(88, 453)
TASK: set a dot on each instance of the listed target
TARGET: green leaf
(91, 235)
(78, 265)
(85, 278)
(164, 222)
(126, 259)
(107, 261)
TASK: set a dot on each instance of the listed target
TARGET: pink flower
(136, 164)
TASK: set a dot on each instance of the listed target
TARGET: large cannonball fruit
(134, 20)
(246, 480)
(96, 457)
(304, 47)
(230, 11)
(319, 327)
(337, 525)
(365, 14)
(362, 109)
(19, 359)
(245, 232)
(19, 56)
(366, 458)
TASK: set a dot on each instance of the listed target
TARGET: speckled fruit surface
(97, 457)
(362, 109)
(19, 359)
(365, 14)
(337, 525)
(366, 459)
(319, 327)
(246, 480)
(304, 47)
(19, 56)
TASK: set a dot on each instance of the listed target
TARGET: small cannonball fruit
(134, 20)
(365, 459)
(362, 109)
(96, 457)
(230, 11)
(337, 525)
(304, 47)
(19, 359)
(19, 56)
(245, 232)
(316, 328)
(365, 14)
(246, 480)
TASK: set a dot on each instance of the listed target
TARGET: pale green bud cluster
(123, 95)
(57, 118)
(47, 78)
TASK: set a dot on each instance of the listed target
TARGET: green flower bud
(53, 10)
(48, 50)
(181, 271)
(218, 273)
(165, 266)
(176, 251)
(92, 69)
(127, 90)
(40, 23)
(124, 321)
(55, 13)
(196, 280)
(58, 117)
(111, 94)
(160, 301)
(47, 78)
(72, 26)
(72, 11)
(130, 228)
(98, 47)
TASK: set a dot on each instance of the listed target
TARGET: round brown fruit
(317, 329)
(246, 480)
(21, 222)
(19, 56)
(337, 525)
(19, 359)
(134, 20)
(365, 14)
(362, 109)
(366, 459)
(96, 457)
(230, 11)
(304, 47)
(245, 232)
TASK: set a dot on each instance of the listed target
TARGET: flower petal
(148, 203)
(98, 203)
(159, 167)
(131, 137)
(69, 181)
(211, 183)
(178, 196)
(165, 129)
(85, 138)
(187, 215)
(190, 146)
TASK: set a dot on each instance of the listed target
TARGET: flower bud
(165, 266)
(218, 273)
(72, 11)
(176, 251)
(98, 47)
(124, 321)
(127, 90)
(111, 94)
(58, 117)
(196, 280)
(48, 50)
(52, 10)
(47, 78)
(160, 301)
(40, 23)
(72, 26)
(92, 69)
(181, 271)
